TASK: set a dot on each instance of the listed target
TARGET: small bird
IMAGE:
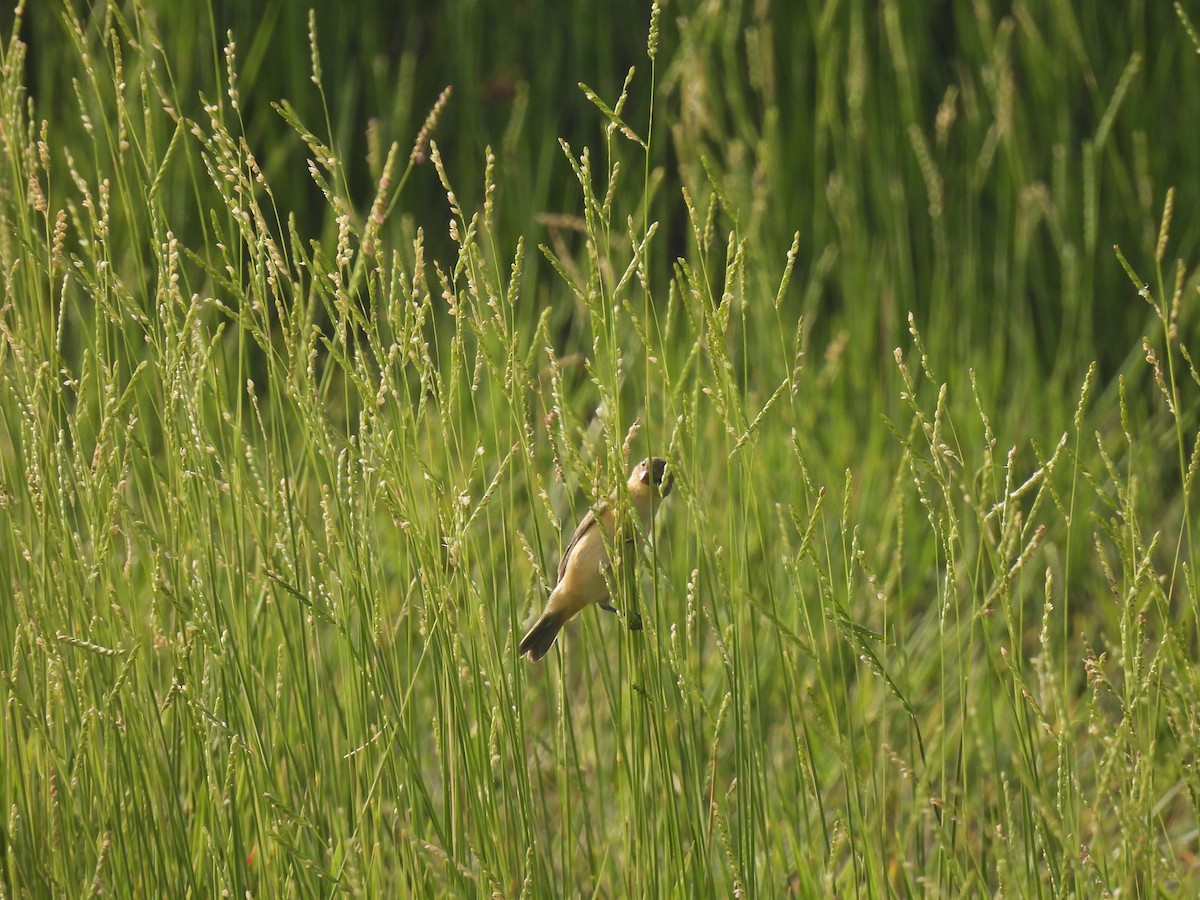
(581, 572)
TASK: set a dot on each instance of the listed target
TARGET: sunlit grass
(279, 505)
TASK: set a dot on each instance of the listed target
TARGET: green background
(291, 438)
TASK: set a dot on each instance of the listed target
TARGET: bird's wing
(588, 522)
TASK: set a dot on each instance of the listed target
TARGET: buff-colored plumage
(581, 580)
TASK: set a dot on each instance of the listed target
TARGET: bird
(581, 573)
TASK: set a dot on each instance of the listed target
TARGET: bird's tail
(538, 641)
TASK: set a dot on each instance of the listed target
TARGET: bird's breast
(583, 581)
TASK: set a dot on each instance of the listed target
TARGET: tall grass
(286, 465)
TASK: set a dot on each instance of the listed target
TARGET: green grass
(295, 420)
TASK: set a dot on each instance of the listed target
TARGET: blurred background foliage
(973, 162)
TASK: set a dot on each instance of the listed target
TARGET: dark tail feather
(538, 641)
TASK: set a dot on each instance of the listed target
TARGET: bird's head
(652, 474)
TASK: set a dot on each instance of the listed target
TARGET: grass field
(309, 365)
